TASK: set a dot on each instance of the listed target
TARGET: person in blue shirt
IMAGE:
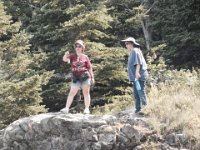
(137, 72)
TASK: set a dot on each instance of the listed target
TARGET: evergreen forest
(35, 34)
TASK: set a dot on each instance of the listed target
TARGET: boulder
(58, 131)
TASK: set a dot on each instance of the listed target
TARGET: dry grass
(175, 108)
(119, 103)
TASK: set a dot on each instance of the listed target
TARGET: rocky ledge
(58, 131)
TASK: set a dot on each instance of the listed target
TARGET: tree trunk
(71, 4)
(145, 25)
(145, 28)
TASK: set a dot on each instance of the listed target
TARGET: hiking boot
(140, 113)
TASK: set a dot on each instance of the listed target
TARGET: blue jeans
(140, 96)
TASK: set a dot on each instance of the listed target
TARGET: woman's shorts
(80, 84)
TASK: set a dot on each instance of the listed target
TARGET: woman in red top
(82, 75)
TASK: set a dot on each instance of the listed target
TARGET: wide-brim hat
(131, 39)
(80, 42)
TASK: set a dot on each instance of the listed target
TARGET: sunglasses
(126, 43)
(78, 46)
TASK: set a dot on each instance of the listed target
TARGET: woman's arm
(66, 57)
(92, 75)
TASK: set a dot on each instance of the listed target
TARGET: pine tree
(176, 24)
(20, 81)
(91, 22)
(126, 23)
(56, 24)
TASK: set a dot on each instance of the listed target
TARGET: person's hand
(92, 81)
(137, 76)
(66, 57)
(67, 54)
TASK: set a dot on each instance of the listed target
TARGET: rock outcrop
(58, 131)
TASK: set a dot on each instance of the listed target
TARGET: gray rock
(181, 138)
(111, 120)
(58, 131)
(1, 138)
(165, 146)
(131, 132)
(107, 138)
(90, 135)
(107, 129)
(175, 139)
(96, 146)
(139, 147)
(171, 139)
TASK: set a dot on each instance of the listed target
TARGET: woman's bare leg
(86, 94)
(72, 93)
